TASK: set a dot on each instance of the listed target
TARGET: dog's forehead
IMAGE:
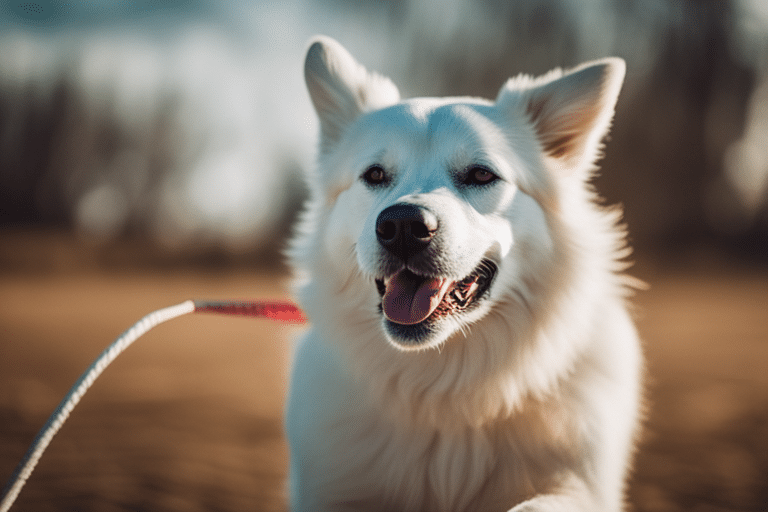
(454, 128)
(441, 136)
(430, 116)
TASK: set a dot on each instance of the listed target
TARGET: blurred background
(154, 150)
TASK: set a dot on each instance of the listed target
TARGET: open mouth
(409, 299)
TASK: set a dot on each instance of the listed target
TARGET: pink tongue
(409, 299)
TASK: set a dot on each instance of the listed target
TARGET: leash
(280, 311)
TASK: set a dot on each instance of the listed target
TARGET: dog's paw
(554, 503)
(529, 506)
(537, 504)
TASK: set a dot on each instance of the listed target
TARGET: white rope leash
(59, 416)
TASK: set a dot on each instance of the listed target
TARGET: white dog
(470, 346)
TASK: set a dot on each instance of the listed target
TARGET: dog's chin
(459, 305)
(421, 336)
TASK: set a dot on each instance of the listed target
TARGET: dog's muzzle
(414, 291)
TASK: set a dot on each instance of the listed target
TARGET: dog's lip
(445, 281)
(451, 298)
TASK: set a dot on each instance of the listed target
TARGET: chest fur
(388, 467)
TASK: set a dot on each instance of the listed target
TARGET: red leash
(281, 311)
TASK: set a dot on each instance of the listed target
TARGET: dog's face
(432, 224)
(439, 200)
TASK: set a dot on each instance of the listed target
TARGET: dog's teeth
(458, 298)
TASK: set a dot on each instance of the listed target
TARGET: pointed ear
(570, 112)
(341, 89)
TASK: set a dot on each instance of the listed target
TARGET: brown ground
(189, 418)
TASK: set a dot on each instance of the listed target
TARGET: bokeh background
(152, 151)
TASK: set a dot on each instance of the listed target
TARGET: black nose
(405, 229)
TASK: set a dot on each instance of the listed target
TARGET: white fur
(530, 401)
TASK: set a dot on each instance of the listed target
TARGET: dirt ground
(189, 418)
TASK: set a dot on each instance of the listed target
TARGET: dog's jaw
(457, 301)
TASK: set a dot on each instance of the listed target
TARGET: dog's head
(437, 206)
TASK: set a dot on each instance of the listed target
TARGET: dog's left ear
(570, 112)
(341, 89)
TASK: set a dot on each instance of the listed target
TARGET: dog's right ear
(341, 89)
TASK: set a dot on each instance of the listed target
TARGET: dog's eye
(477, 175)
(375, 175)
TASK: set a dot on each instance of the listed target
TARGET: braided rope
(71, 399)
